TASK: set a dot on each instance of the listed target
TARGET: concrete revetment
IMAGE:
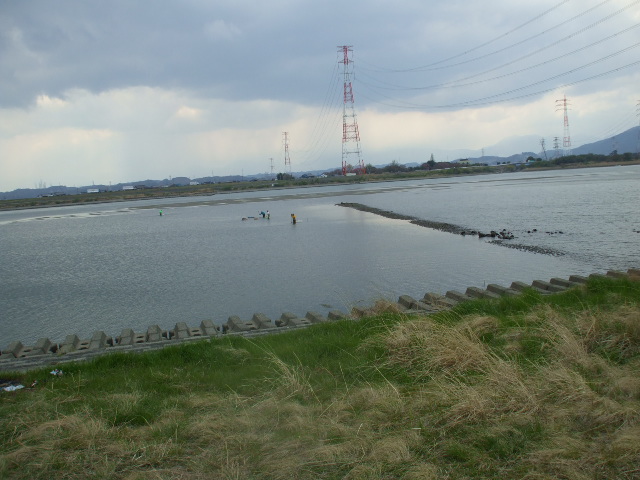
(18, 357)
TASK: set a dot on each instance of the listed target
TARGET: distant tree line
(613, 157)
(396, 167)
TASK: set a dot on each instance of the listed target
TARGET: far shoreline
(207, 190)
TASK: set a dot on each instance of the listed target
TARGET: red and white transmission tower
(566, 142)
(350, 132)
(638, 114)
(285, 141)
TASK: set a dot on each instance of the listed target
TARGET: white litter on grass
(12, 388)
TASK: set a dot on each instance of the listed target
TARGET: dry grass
(453, 401)
(587, 404)
(425, 348)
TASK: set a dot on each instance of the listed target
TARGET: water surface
(78, 269)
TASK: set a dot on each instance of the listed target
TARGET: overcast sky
(99, 92)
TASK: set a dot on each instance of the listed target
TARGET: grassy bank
(525, 387)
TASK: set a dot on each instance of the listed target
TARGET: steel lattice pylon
(287, 159)
(350, 132)
(563, 105)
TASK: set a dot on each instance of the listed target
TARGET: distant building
(127, 187)
(93, 190)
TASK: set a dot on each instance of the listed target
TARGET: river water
(78, 269)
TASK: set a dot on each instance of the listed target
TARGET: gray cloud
(248, 69)
(283, 50)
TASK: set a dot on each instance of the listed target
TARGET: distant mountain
(628, 141)
(508, 146)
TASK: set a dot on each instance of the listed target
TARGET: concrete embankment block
(70, 344)
(457, 296)
(156, 334)
(288, 319)
(195, 332)
(84, 344)
(547, 286)
(180, 331)
(261, 321)
(285, 318)
(235, 324)
(616, 274)
(125, 338)
(315, 317)
(564, 283)
(407, 302)
(336, 315)
(14, 349)
(44, 346)
(578, 279)
(209, 329)
(438, 301)
(521, 286)
(129, 337)
(476, 292)
(501, 290)
(421, 306)
(99, 341)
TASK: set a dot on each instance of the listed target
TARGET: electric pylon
(544, 150)
(287, 159)
(566, 142)
(350, 132)
(638, 140)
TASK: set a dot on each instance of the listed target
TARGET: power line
(478, 47)
(517, 44)
(457, 84)
(485, 100)
(481, 45)
(327, 123)
(428, 67)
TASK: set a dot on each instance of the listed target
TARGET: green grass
(534, 386)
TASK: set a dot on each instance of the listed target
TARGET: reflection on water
(104, 267)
